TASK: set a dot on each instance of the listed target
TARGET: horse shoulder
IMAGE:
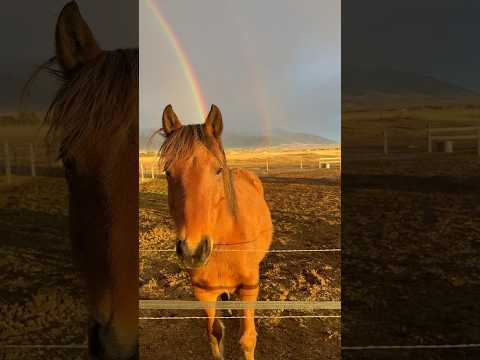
(250, 177)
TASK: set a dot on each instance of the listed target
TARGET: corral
(409, 237)
(306, 215)
(41, 296)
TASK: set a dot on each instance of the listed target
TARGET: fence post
(153, 170)
(301, 164)
(385, 142)
(319, 164)
(32, 161)
(268, 169)
(8, 166)
(429, 135)
(142, 172)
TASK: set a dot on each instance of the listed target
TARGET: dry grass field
(305, 208)
(280, 159)
(407, 128)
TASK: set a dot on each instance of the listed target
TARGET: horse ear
(214, 122)
(74, 41)
(170, 121)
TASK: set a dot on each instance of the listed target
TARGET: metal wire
(237, 317)
(253, 250)
(413, 347)
(41, 346)
(238, 305)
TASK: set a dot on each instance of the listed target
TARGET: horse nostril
(95, 346)
(205, 248)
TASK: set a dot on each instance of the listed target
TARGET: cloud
(261, 62)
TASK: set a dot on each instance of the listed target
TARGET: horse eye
(219, 171)
(168, 173)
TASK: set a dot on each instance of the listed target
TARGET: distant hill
(385, 86)
(238, 140)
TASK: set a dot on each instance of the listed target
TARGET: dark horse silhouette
(94, 121)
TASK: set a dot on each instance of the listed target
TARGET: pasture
(305, 207)
(406, 129)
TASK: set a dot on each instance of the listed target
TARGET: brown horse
(216, 210)
(94, 121)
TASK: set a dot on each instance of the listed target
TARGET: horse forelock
(180, 144)
(94, 102)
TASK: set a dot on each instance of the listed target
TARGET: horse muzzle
(102, 345)
(194, 258)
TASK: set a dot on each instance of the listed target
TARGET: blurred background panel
(410, 178)
(41, 295)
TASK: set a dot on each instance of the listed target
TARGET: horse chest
(218, 274)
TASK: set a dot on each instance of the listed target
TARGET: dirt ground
(40, 295)
(410, 234)
(306, 215)
(41, 298)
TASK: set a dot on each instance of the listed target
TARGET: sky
(266, 64)
(430, 37)
(27, 38)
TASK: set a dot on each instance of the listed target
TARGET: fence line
(42, 346)
(238, 305)
(150, 169)
(29, 157)
(412, 347)
(469, 133)
(253, 250)
(238, 317)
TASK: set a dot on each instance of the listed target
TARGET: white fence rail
(460, 133)
(445, 135)
(238, 305)
(24, 159)
(150, 170)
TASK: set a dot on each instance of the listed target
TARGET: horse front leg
(248, 338)
(215, 328)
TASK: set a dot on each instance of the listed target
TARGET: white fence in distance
(444, 135)
(151, 170)
(28, 156)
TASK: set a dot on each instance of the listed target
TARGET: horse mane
(93, 100)
(180, 144)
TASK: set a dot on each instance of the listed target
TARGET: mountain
(377, 86)
(277, 137)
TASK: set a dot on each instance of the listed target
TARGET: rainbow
(182, 58)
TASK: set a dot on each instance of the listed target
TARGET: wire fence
(44, 346)
(254, 250)
(149, 169)
(238, 305)
(241, 317)
(410, 347)
(28, 159)
(421, 137)
(347, 348)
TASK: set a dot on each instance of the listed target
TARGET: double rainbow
(182, 58)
